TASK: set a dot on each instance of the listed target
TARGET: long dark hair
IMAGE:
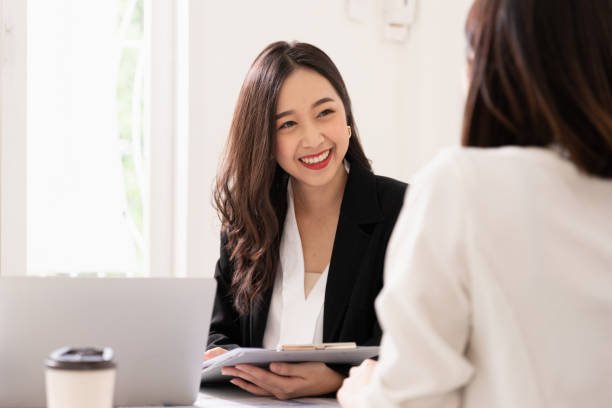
(251, 189)
(542, 75)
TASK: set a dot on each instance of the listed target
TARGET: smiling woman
(305, 222)
(311, 136)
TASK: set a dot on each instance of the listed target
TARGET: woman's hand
(284, 380)
(358, 379)
(217, 351)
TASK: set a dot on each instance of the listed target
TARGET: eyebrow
(314, 105)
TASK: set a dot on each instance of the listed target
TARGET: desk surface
(232, 397)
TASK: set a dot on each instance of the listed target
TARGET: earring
(349, 130)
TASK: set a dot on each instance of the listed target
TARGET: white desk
(231, 396)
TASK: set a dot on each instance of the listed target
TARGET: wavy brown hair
(541, 75)
(251, 189)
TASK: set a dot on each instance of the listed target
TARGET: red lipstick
(317, 166)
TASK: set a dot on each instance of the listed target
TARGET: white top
(498, 289)
(294, 318)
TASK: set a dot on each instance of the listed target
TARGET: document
(211, 369)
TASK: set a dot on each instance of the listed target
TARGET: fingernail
(273, 367)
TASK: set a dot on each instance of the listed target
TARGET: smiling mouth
(316, 161)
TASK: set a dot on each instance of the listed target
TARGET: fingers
(248, 387)
(299, 370)
(279, 386)
(288, 380)
(217, 351)
(276, 384)
(236, 372)
(308, 378)
(287, 370)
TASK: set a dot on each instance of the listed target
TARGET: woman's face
(312, 136)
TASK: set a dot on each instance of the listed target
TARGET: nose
(312, 136)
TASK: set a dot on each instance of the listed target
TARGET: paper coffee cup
(80, 377)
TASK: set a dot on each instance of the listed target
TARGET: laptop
(157, 328)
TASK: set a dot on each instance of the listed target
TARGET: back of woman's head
(541, 74)
(250, 192)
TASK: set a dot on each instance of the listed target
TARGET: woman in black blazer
(309, 152)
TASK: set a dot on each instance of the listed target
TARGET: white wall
(12, 122)
(432, 86)
(407, 97)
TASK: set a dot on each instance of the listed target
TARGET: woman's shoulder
(474, 165)
(390, 193)
(390, 187)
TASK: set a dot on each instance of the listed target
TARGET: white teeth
(316, 159)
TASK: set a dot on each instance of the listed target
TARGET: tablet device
(211, 369)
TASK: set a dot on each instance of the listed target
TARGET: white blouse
(498, 286)
(294, 318)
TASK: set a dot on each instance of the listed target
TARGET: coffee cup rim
(81, 359)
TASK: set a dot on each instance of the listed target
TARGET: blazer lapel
(359, 209)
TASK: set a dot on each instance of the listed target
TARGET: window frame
(13, 82)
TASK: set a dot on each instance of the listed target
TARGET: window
(87, 65)
(87, 153)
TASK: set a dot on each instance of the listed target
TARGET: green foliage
(127, 74)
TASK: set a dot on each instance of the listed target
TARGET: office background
(113, 116)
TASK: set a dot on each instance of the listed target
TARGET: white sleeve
(424, 307)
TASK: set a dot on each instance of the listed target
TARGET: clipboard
(332, 353)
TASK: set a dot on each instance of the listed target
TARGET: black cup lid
(68, 358)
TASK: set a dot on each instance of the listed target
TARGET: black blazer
(369, 209)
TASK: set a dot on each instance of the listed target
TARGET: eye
(287, 124)
(325, 113)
